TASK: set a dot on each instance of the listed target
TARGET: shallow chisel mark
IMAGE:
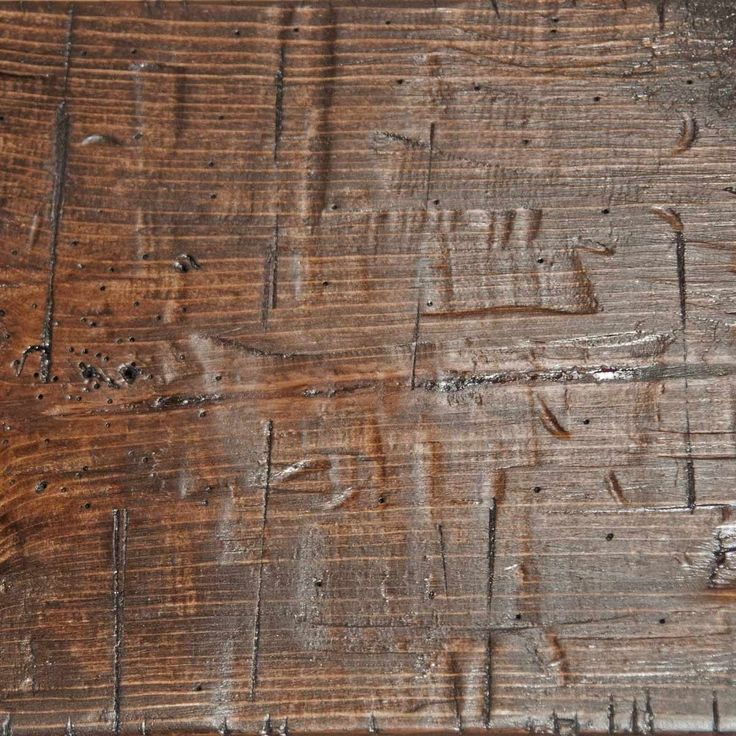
(443, 552)
(259, 586)
(278, 113)
(186, 262)
(430, 156)
(613, 486)
(550, 421)
(100, 139)
(119, 560)
(688, 133)
(177, 401)
(415, 343)
(270, 275)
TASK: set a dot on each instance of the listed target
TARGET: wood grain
(367, 367)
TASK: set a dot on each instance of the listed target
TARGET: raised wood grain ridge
(367, 367)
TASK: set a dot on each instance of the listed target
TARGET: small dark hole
(518, 617)
(537, 489)
(586, 421)
(103, 287)
(663, 620)
(540, 260)
(476, 87)
(87, 505)
(609, 536)
(525, 141)
(296, 30)
(213, 196)
(597, 98)
(210, 164)
(236, 32)
(387, 22)
(689, 81)
(381, 499)
(399, 81)
(605, 211)
(198, 688)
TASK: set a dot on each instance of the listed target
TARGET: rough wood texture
(367, 363)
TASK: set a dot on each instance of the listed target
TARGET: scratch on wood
(259, 587)
(716, 714)
(69, 728)
(661, 10)
(119, 561)
(455, 676)
(372, 725)
(278, 115)
(613, 486)
(415, 342)
(270, 274)
(430, 156)
(487, 694)
(611, 716)
(649, 714)
(688, 133)
(634, 723)
(441, 536)
(494, 5)
(550, 421)
(61, 150)
(7, 728)
(491, 550)
(672, 217)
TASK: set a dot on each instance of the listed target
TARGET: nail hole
(537, 489)
(609, 536)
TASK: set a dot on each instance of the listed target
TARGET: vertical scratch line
(429, 165)
(491, 549)
(278, 114)
(672, 217)
(716, 714)
(271, 274)
(259, 589)
(415, 342)
(487, 695)
(442, 554)
(682, 288)
(119, 562)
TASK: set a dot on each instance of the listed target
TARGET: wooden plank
(368, 367)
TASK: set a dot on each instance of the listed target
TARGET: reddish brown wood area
(367, 366)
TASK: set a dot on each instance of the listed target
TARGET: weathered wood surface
(368, 364)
